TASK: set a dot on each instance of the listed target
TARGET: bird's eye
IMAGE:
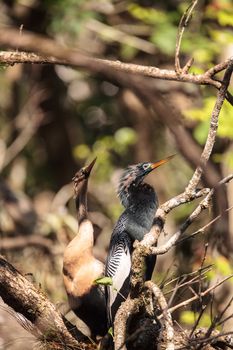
(146, 166)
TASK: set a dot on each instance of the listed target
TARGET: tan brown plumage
(81, 268)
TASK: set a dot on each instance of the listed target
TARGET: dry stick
(193, 281)
(212, 130)
(223, 338)
(182, 25)
(203, 308)
(204, 204)
(217, 319)
(168, 332)
(51, 52)
(171, 242)
(204, 270)
(184, 197)
(203, 228)
(178, 285)
(63, 56)
(190, 300)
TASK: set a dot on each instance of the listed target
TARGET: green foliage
(164, 38)
(110, 331)
(222, 11)
(189, 318)
(105, 281)
(162, 25)
(202, 115)
(104, 146)
(220, 266)
(70, 16)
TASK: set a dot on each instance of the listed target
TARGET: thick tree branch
(51, 52)
(34, 311)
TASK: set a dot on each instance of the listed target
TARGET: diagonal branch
(35, 312)
(182, 25)
(213, 128)
(168, 332)
(197, 296)
(204, 204)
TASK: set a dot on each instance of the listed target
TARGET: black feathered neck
(131, 183)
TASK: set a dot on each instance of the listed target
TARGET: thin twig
(203, 228)
(207, 291)
(203, 308)
(204, 204)
(168, 332)
(182, 25)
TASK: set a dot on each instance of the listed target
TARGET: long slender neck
(141, 197)
(134, 195)
(81, 201)
(142, 203)
(83, 242)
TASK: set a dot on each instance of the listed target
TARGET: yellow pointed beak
(161, 162)
(89, 167)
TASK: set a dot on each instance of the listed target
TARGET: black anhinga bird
(140, 202)
(81, 268)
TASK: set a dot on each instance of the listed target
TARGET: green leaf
(164, 37)
(110, 331)
(105, 281)
(225, 18)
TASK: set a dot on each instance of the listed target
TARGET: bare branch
(182, 25)
(204, 204)
(195, 297)
(203, 228)
(212, 130)
(51, 52)
(168, 332)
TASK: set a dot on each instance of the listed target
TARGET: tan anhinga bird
(81, 268)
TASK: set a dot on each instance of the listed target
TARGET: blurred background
(54, 120)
